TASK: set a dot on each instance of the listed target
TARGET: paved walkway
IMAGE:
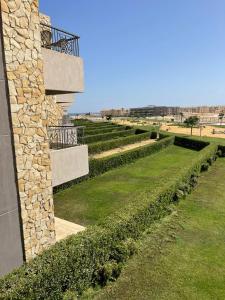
(64, 228)
(123, 148)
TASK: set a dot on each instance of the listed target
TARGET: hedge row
(102, 165)
(90, 257)
(190, 143)
(106, 130)
(107, 136)
(107, 145)
(105, 126)
(109, 125)
(91, 124)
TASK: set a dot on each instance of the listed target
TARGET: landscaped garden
(90, 201)
(183, 256)
(103, 136)
(123, 196)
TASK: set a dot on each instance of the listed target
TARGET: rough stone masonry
(24, 66)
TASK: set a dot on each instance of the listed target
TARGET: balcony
(63, 67)
(69, 158)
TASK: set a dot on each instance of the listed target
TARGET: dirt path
(123, 148)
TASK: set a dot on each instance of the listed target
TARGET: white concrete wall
(69, 164)
(63, 72)
(65, 98)
(65, 101)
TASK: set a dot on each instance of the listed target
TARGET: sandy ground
(122, 149)
(128, 123)
(206, 131)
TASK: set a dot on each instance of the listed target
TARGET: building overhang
(63, 73)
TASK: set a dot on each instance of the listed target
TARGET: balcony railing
(59, 40)
(61, 137)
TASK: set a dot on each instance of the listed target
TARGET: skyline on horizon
(167, 53)
(115, 108)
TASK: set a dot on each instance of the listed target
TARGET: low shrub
(190, 143)
(107, 136)
(102, 165)
(99, 147)
(70, 295)
(139, 131)
(90, 124)
(162, 136)
(106, 130)
(221, 151)
(81, 261)
(106, 126)
(204, 167)
(110, 271)
(153, 135)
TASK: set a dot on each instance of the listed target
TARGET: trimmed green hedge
(91, 124)
(107, 145)
(107, 136)
(82, 261)
(102, 165)
(190, 143)
(105, 126)
(221, 150)
(108, 129)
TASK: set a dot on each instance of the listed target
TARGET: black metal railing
(59, 40)
(61, 137)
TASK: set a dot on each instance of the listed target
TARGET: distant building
(203, 109)
(151, 111)
(118, 112)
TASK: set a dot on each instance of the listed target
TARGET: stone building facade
(40, 72)
(24, 69)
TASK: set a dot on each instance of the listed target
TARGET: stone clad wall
(53, 111)
(24, 65)
(44, 19)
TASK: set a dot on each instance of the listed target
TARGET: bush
(162, 136)
(107, 136)
(221, 151)
(154, 135)
(69, 295)
(81, 261)
(204, 167)
(107, 145)
(102, 165)
(190, 143)
(110, 271)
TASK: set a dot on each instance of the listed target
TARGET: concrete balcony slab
(63, 73)
(69, 164)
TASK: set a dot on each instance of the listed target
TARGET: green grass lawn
(90, 201)
(184, 258)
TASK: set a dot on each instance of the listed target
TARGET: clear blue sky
(142, 52)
